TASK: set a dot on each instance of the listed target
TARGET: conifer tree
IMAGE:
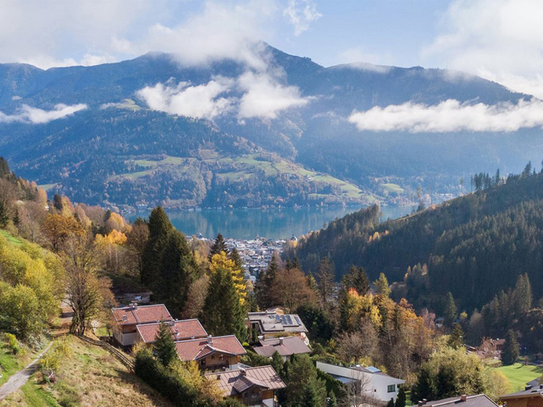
(325, 275)
(277, 363)
(222, 313)
(450, 312)
(221, 260)
(390, 403)
(177, 271)
(235, 257)
(159, 228)
(401, 400)
(164, 346)
(456, 340)
(357, 279)
(510, 352)
(218, 246)
(381, 285)
(4, 216)
(264, 284)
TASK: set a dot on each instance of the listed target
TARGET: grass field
(519, 374)
(10, 238)
(88, 376)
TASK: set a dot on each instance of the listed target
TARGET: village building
(478, 400)
(270, 324)
(181, 330)
(286, 347)
(254, 386)
(532, 396)
(364, 381)
(126, 319)
(213, 352)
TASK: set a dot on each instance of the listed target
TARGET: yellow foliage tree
(221, 261)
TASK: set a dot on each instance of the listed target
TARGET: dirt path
(20, 378)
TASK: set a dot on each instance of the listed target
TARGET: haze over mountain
(275, 129)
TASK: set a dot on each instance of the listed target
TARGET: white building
(365, 381)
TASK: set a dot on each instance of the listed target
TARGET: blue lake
(268, 223)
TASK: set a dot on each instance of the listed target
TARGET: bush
(13, 344)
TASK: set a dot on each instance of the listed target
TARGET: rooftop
(196, 349)
(271, 322)
(535, 391)
(478, 400)
(181, 330)
(238, 381)
(292, 345)
(141, 314)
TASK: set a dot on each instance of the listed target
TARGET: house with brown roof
(477, 400)
(286, 347)
(531, 397)
(181, 330)
(213, 352)
(255, 386)
(126, 319)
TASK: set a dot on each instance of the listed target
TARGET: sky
(500, 40)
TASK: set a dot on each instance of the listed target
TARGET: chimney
(125, 318)
(281, 341)
(463, 398)
(210, 339)
(133, 305)
(242, 371)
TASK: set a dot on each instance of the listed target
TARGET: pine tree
(456, 340)
(164, 346)
(218, 246)
(159, 229)
(381, 285)
(450, 311)
(178, 270)
(4, 216)
(510, 352)
(265, 283)
(401, 400)
(357, 279)
(222, 313)
(235, 257)
(325, 276)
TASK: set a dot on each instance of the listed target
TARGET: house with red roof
(211, 353)
(181, 330)
(254, 386)
(126, 319)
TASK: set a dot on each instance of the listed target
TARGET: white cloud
(358, 58)
(34, 115)
(200, 101)
(301, 13)
(501, 40)
(451, 116)
(262, 96)
(265, 98)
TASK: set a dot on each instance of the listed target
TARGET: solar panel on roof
(297, 320)
(372, 369)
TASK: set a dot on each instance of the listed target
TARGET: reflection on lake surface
(268, 223)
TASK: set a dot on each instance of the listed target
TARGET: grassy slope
(90, 376)
(10, 238)
(246, 166)
(519, 374)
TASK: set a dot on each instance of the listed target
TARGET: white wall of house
(373, 384)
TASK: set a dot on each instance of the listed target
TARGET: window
(391, 388)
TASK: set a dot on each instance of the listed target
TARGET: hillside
(474, 246)
(90, 132)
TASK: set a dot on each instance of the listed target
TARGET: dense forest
(473, 246)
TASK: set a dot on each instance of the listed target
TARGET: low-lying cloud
(202, 101)
(34, 115)
(451, 116)
(262, 96)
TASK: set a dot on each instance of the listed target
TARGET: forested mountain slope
(474, 246)
(89, 133)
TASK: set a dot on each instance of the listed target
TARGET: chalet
(478, 400)
(181, 330)
(271, 324)
(254, 386)
(530, 397)
(364, 381)
(286, 347)
(125, 320)
(213, 352)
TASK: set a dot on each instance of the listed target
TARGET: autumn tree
(290, 289)
(60, 229)
(221, 261)
(223, 313)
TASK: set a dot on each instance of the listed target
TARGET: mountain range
(153, 130)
